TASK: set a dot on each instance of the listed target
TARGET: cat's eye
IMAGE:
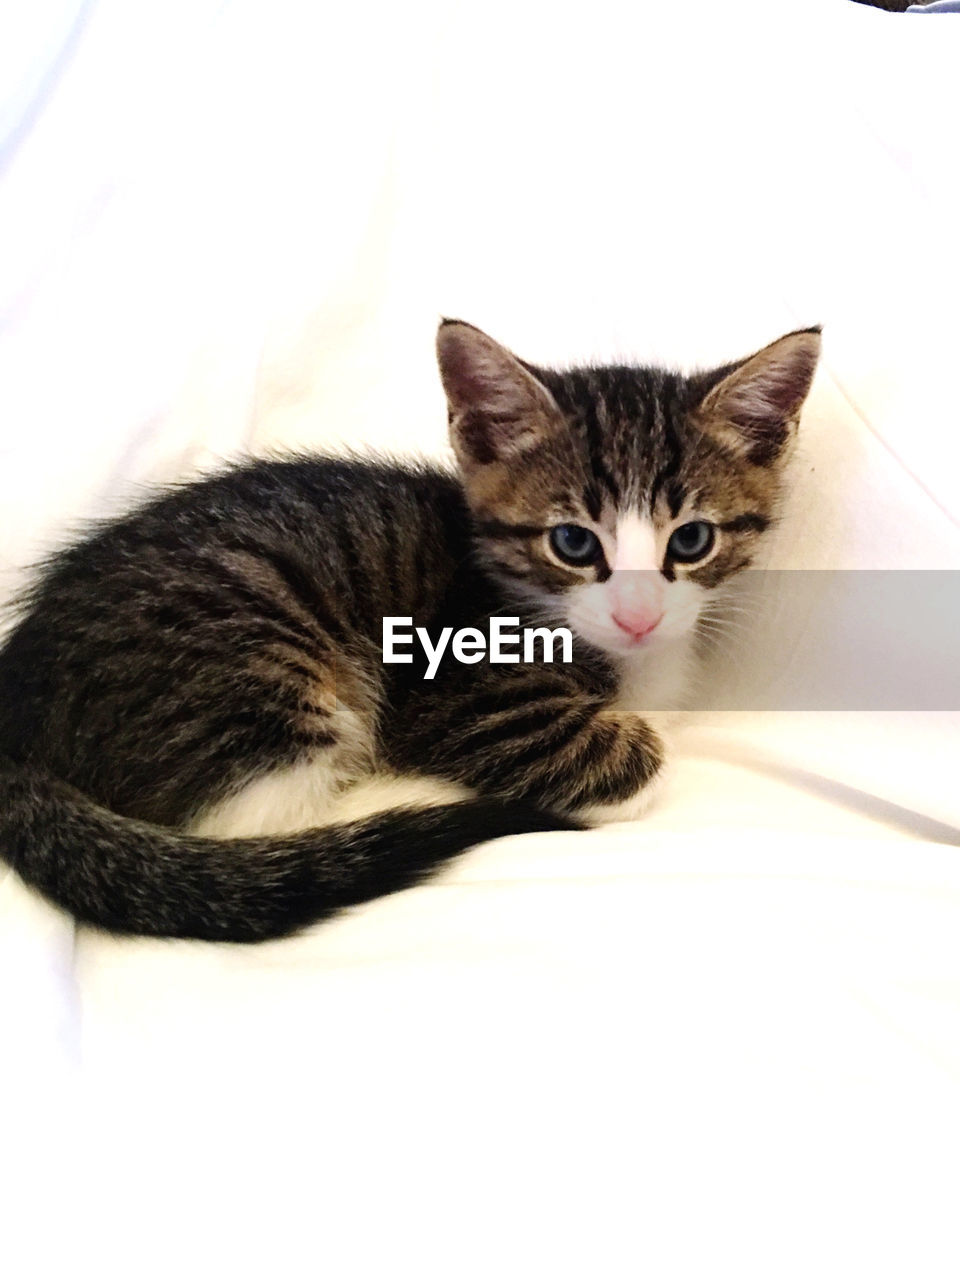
(574, 544)
(691, 541)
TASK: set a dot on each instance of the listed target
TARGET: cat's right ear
(498, 409)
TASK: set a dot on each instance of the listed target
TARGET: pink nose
(637, 623)
(636, 601)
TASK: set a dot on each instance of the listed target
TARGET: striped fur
(194, 712)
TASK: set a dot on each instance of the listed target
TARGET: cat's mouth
(615, 638)
(620, 642)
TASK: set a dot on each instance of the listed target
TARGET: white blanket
(725, 1040)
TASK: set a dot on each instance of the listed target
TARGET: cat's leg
(632, 806)
(652, 687)
(534, 734)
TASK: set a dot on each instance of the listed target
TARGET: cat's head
(618, 498)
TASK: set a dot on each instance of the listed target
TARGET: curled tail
(133, 877)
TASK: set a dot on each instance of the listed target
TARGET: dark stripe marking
(671, 467)
(749, 522)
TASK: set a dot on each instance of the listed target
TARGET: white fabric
(720, 1041)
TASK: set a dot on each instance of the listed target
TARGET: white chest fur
(658, 679)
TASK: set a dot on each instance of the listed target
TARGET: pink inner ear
(497, 407)
(478, 374)
(469, 380)
(773, 394)
(767, 392)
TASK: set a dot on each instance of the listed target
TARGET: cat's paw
(626, 810)
(639, 744)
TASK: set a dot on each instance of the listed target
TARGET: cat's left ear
(498, 409)
(754, 408)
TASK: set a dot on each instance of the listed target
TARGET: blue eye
(574, 544)
(691, 541)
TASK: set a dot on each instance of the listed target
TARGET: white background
(721, 1042)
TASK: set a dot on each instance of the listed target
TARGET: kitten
(194, 708)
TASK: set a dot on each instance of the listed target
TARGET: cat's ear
(754, 407)
(498, 409)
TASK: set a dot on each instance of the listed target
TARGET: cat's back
(323, 516)
(305, 505)
(303, 554)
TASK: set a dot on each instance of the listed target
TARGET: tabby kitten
(195, 714)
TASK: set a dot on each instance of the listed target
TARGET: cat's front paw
(632, 772)
(626, 810)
